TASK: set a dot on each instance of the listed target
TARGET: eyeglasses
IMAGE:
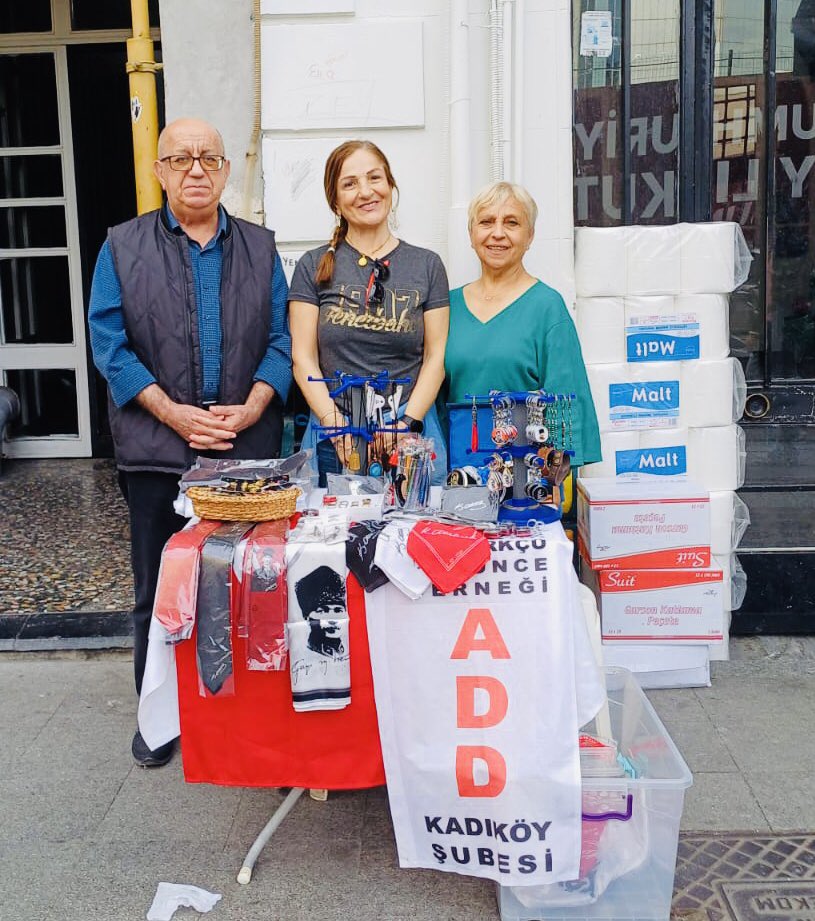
(183, 162)
(375, 293)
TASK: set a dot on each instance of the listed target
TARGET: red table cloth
(256, 739)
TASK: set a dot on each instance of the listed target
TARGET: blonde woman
(509, 330)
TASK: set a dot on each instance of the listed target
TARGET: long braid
(325, 269)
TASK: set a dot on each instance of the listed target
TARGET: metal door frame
(73, 356)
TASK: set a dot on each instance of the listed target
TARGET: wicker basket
(218, 505)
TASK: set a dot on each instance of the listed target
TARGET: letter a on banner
(466, 758)
(466, 686)
(480, 633)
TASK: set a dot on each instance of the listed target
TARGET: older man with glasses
(188, 327)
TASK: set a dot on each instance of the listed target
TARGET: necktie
(177, 590)
(214, 640)
(264, 597)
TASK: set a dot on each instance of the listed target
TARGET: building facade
(682, 110)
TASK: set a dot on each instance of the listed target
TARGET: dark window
(107, 14)
(47, 402)
(31, 176)
(23, 228)
(36, 299)
(29, 116)
(30, 16)
(626, 115)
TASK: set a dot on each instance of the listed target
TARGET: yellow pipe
(141, 69)
(252, 150)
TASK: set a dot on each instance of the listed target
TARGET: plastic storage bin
(628, 860)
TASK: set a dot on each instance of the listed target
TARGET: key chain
(474, 430)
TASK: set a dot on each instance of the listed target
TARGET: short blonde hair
(497, 193)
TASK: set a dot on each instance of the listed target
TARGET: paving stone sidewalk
(87, 836)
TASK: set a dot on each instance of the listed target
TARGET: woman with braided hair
(367, 302)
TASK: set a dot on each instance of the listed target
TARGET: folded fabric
(449, 554)
(177, 589)
(319, 664)
(391, 556)
(264, 597)
(214, 610)
(316, 573)
(360, 550)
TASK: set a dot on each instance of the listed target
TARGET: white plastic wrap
(601, 328)
(713, 392)
(738, 584)
(729, 519)
(715, 257)
(653, 260)
(600, 261)
(717, 457)
(630, 397)
(704, 258)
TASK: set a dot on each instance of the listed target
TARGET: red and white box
(623, 525)
(658, 605)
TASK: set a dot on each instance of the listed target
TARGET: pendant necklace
(363, 259)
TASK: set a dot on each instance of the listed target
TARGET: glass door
(42, 332)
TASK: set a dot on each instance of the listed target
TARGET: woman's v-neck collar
(501, 312)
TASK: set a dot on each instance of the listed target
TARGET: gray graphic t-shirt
(361, 338)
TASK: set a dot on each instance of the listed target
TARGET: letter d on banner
(496, 773)
(466, 686)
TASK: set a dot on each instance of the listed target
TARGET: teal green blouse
(530, 345)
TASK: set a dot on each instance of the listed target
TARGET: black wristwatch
(413, 425)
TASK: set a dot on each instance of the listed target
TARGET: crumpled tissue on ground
(170, 896)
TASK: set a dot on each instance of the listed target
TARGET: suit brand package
(659, 524)
(658, 605)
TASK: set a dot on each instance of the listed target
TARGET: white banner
(479, 709)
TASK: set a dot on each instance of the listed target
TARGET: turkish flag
(255, 738)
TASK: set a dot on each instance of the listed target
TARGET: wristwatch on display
(413, 425)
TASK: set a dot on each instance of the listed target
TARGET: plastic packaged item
(352, 484)
(264, 597)
(713, 392)
(410, 489)
(214, 610)
(717, 457)
(177, 587)
(715, 258)
(627, 870)
(738, 584)
(325, 527)
(470, 503)
(601, 328)
(211, 472)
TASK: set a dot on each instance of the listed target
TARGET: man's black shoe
(156, 757)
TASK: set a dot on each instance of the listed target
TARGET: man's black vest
(161, 321)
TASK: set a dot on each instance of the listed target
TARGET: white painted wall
(207, 51)
(207, 46)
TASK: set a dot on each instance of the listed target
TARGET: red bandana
(448, 553)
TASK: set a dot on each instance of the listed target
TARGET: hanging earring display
(532, 458)
(504, 431)
(536, 430)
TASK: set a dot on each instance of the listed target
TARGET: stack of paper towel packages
(653, 319)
